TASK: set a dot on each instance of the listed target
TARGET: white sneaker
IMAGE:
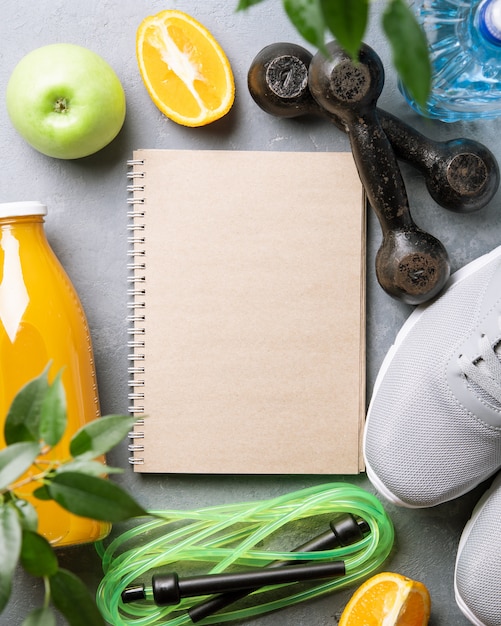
(433, 429)
(477, 577)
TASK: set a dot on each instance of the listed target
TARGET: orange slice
(184, 69)
(388, 599)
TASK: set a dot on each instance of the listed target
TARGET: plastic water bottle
(42, 322)
(464, 40)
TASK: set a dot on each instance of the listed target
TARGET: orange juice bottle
(42, 322)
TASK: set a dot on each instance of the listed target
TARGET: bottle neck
(489, 21)
(21, 219)
(28, 229)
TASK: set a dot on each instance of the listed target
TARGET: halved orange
(184, 69)
(388, 598)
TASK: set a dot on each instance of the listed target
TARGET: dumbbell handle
(462, 175)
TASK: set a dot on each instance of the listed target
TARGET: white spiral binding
(136, 291)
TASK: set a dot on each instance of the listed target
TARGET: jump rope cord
(228, 535)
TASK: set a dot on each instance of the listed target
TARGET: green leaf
(410, 50)
(347, 21)
(43, 616)
(42, 493)
(245, 4)
(72, 598)
(10, 549)
(99, 436)
(307, 18)
(27, 514)
(15, 460)
(37, 556)
(93, 497)
(53, 413)
(23, 418)
(91, 468)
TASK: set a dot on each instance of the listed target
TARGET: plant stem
(47, 594)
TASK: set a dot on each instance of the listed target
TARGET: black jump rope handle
(169, 589)
(342, 532)
(461, 175)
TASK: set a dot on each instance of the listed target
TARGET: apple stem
(61, 105)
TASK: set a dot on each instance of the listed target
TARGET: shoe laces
(485, 370)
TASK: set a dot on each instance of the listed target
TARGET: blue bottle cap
(18, 209)
(490, 21)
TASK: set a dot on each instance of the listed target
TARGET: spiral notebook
(247, 344)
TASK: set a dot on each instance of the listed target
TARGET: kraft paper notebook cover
(247, 312)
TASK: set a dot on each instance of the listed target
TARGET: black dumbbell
(411, 264)
(461, 175)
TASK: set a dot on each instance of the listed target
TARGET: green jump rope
(248, 536)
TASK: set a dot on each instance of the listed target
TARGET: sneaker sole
(458, 276)
(464, 538)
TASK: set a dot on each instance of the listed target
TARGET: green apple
(65, 100)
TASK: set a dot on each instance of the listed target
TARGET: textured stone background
(87, 228)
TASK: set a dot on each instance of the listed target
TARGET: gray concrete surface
(87, 228)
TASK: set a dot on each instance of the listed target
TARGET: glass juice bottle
(42, 322)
